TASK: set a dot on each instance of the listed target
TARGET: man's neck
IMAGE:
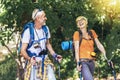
(38, 26)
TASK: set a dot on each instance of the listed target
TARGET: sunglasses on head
(39, 10)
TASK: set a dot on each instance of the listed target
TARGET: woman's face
(82, 23)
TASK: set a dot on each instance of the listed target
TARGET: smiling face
(81, 22)
(42, 18)
(39, 17)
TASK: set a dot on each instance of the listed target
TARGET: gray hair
(36, 12)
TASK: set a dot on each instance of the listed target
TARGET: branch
(11, 53)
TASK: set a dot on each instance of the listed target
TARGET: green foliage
(61, 16)
(113, 44)
(6, 35)
(8, 69)
(113, 39)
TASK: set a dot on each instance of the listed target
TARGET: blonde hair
(35, 13)
(81, 17)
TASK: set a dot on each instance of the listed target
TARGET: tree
(102, 16)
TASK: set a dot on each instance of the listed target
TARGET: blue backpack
(30, 25)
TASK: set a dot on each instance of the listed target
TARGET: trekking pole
(80, 75)
(112, 68)
(58, 70)
(56, 59)
(79, 63)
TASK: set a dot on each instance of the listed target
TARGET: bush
(8, 69)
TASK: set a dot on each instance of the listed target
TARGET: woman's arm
(100, 47)
(76, 45)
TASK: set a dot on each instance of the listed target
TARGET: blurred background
(103, 17)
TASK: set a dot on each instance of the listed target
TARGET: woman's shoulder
(92, 30)
(94, 33)
(76, 33)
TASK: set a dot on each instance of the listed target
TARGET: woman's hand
(79, 67)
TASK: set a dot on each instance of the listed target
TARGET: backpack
(30, 25)
(69, 45)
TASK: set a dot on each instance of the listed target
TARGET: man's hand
(59, 58)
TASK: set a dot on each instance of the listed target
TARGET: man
(39, 67)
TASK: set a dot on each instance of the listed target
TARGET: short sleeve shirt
(87, 46)
(38, 34)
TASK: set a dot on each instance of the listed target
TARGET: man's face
(42, 18)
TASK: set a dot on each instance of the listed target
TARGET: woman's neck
(84, 31)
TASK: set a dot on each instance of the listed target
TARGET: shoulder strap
(90, 33)
(45, 30)
(29, 25)
(80, 36)
(31, 28)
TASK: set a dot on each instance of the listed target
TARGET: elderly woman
(39, 66)
(85, 51)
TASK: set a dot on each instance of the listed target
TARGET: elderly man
(35, 43)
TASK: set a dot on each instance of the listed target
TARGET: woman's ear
(86, 22)
(78, 25)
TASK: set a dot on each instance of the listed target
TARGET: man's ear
(37, 18)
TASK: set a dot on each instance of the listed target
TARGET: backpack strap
(30, 25)
(44, 27)
(31, 28)
(89, 32)
(91, 35)
(80, 36)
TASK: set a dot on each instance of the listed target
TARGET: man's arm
(52, 52)
(49, 47)
(23, 51)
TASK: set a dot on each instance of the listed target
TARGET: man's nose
(45, 18)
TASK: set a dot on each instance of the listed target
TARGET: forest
(103, 16)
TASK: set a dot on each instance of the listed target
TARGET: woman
(84, 52)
